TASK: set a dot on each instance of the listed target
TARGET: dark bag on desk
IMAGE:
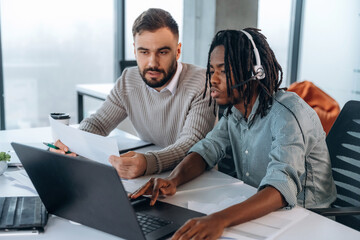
(22, 213)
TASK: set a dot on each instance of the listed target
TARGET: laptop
(92, 194)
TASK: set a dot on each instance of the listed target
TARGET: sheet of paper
(20, 179)
(131, 185)
(209, 208)
(91, 146)
(208, 180)
(196, 189)
(267, 227)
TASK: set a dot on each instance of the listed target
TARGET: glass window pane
(330, 48)
(274, 19)
(48, 48)
(133, 8)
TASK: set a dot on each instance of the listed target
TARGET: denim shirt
(272, 151)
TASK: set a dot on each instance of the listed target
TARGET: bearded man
(162, 97)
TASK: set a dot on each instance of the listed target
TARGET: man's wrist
(144, 164)
(174, 178)
(222, 218)
(151, 164)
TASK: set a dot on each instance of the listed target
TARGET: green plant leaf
(4, 156)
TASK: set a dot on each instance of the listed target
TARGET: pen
(53, 146)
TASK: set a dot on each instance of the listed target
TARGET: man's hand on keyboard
(154, 187)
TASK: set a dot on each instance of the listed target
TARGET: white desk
(97, 91)
(313, 226)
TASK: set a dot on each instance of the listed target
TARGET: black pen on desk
(53, 146)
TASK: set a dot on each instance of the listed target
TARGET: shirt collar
(254, 108)
(239, 115)
(172, 86)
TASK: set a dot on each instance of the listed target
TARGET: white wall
(274, 20)
(330, 50)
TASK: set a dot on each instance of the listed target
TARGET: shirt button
(246, 151)
(247, 174)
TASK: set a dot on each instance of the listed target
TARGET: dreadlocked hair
(240, 58)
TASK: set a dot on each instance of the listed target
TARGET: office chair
(343, 142)
(126, 63)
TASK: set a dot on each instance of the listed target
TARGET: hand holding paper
(129, 165)
(92, 146)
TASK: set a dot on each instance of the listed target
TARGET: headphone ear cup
(259, 72)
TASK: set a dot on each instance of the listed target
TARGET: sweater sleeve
(199, 121)
(109, 115)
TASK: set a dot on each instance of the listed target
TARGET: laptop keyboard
(21, 212)
(149, 223)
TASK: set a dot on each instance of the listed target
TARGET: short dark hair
(154, 19)
(239, 56)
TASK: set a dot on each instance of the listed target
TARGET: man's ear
(178, 51)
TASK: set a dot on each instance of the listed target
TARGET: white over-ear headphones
(258, 68)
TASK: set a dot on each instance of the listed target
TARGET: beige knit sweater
(174, 122)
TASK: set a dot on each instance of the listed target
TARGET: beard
(159, 83)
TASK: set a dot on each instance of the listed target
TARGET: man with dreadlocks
(276, 140)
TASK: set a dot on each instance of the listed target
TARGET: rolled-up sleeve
(287, 159)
